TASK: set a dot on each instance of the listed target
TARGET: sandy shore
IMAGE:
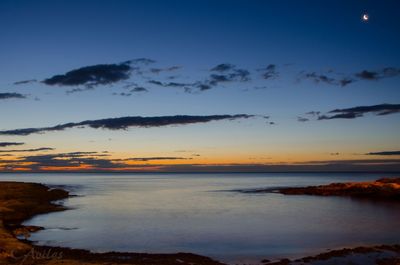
(21, 201)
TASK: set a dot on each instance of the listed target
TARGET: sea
(208, 214)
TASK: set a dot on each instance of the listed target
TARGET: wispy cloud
(221, 74)
(145, 61)
(269, 72)
(11, 95)
(169, 84)
(378, 74)
(385, 153)
(339, 79)
(223, 67)
(165, 69)
(351, 113)
(320, 78)
(360, 111)
(24, 82)
(27, 150)
(123, 123)
(133, 89)
(156, 158)
(5, 144)
(302, 119)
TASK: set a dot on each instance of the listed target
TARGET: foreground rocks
(376, 255)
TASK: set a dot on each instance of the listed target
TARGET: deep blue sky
(41, 39)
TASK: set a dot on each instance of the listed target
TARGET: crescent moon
(365, 17)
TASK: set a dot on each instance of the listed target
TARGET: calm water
(198, 213)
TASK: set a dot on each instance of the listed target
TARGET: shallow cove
(169, 213)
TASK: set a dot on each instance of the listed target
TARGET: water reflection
(178, 213)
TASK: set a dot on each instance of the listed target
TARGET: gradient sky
(283, 59)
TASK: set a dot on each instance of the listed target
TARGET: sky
(221, 86)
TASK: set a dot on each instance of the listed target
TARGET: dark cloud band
(94, 75)
(385, 153)
(5, 144)
(360, 111)
(11, 95)
(156, 158)
(123, 123)
(27, 150)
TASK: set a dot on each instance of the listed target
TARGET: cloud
(338, 79)
(76, 90)
(223, 67)
(27, 150)
(145, 159)
(95, 162)
(313, 113)
(240, 75)
(360, 111)
(323, 78)
(368, 165)
(169, 84)
(228, 73)
(24, 82)
(368, 75)
(74, 160)
(302, 119)
(269, 72)
(378, 74)
(90, 76)
(145, 61)
(123, 94)
(5, 144)
(103, 74)
(137, 89)
(166, 69)
(215, 79)
(203, 87)
(385, 153)
(11, 95)
(85, 161)
(351, 162)
(134, 87)
(221, 73)
(123, 123)
(345, 81)
(155, 82)
(100, 74)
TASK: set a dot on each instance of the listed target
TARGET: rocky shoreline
(381, 189)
